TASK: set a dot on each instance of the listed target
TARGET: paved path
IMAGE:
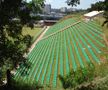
(38, 39)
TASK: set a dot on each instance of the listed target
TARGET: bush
(25, 85)
(75, 78)
(21, 85)
(99, 84)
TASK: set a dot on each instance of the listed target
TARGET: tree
(14, 14)
(73, 2)
(36, 5)
(78, 77)
(97, 6)
(106, 12)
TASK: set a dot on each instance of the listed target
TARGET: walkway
(39, 38)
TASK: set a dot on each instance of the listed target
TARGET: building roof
(93, 13)
(42, 21)
(51, 21)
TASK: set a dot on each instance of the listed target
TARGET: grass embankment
(100, 81)
(56, 54)
(100, 78)
(100, 21)
(34, 33)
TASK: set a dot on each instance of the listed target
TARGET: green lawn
(32, 32)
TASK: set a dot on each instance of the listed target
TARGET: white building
(63, 9)
(47, 9)
(92, 15)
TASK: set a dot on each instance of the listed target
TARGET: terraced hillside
(60, 25)
(75, 44)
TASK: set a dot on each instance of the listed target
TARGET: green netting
(49, 53)
(60, 26)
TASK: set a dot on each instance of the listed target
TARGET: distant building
(92, 15)
(47, 9)
(47, 22)
(71, 9)
(63, 9)
(55, 10)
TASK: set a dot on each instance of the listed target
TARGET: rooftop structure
(63, 9)
(92, 14)
(48, 22)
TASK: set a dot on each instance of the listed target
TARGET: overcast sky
(62, 3)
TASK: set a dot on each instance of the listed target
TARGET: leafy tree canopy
(106, 12)
(14, 14)
(73, 2)
(97, 6)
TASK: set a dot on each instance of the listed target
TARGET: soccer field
(64, 49)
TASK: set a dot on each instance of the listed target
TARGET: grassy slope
(100, 71)
(31, 32)
(34, 33)
(104, 67)
(100, 21)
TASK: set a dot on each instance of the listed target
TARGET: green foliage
(99, 84)
(14, 14)
(36, 5)
(20, 85)
(36, 18)
(106, 12)
(75, 78)
(73, 2)
(97, 6)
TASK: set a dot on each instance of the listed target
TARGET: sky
(84, 4)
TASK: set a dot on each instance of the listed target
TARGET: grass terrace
(60, 25)
(73, 46)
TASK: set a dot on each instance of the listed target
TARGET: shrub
(25, 85)
(21, 85)
(75, 78)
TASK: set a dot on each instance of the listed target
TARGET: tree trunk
(8, 79)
